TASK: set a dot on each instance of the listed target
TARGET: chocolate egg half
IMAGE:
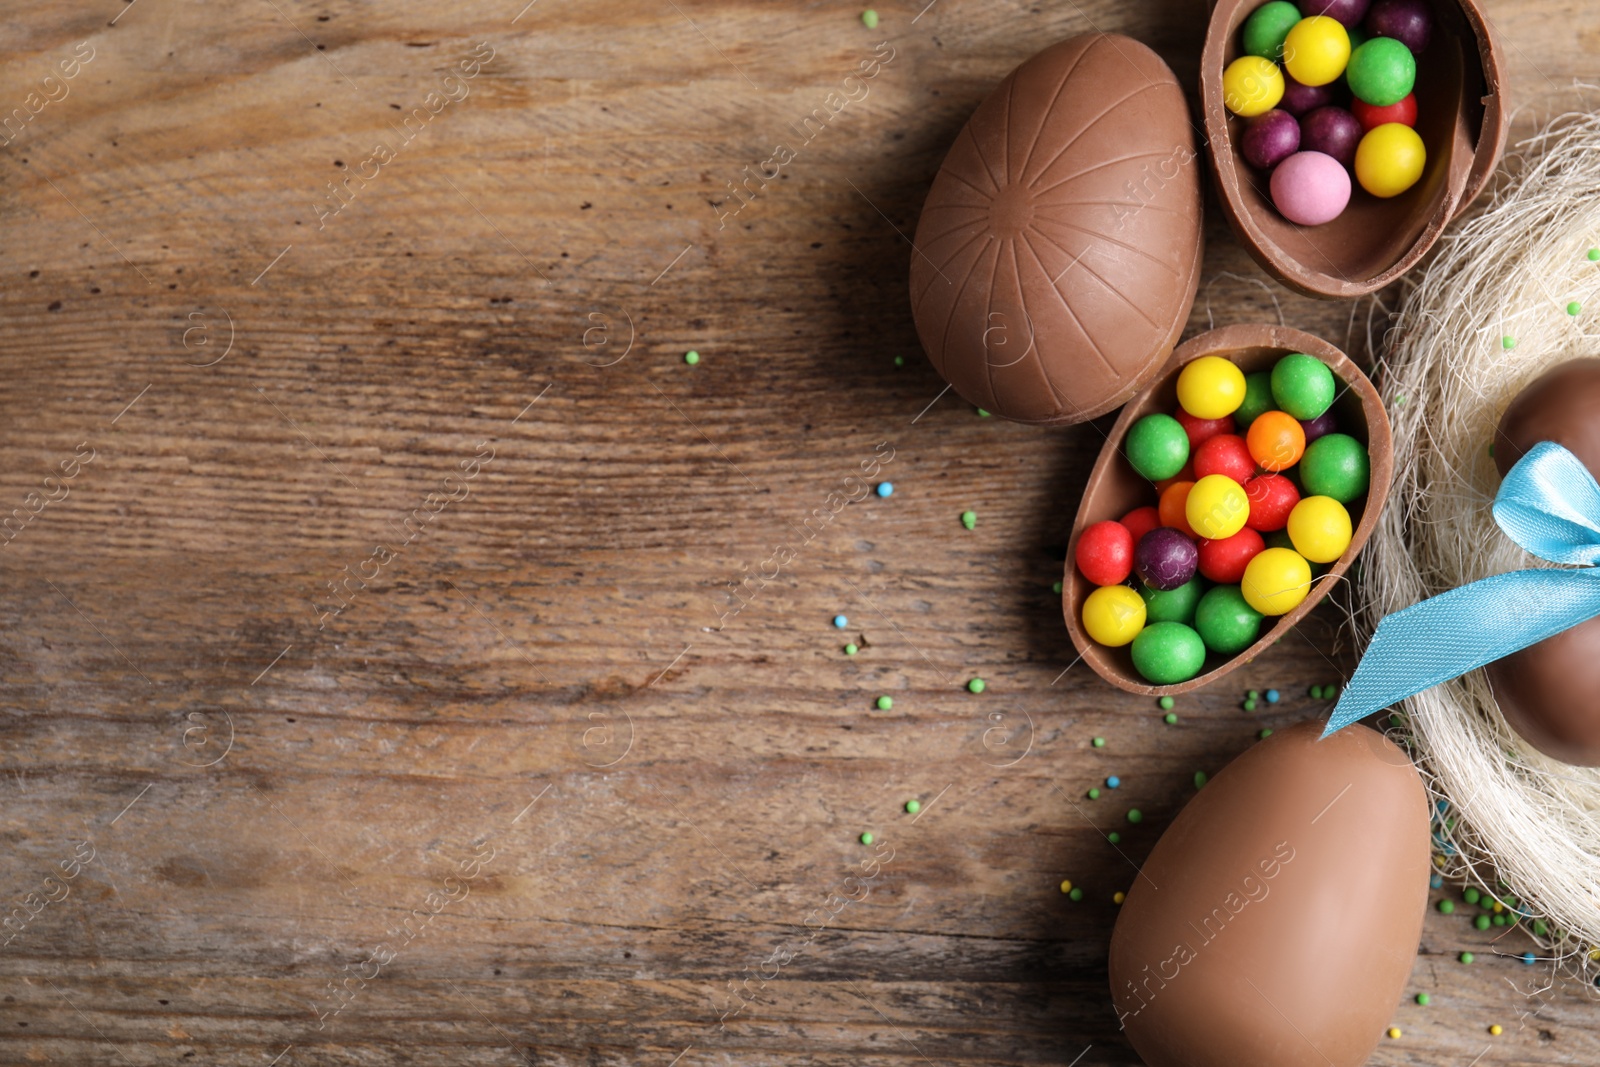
(1277, 920)
(1549, 693)
(1058, 251)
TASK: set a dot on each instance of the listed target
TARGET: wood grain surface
(371, 690)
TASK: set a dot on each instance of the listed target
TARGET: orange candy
(1185, 475)
(1276, 441)
(1174, 500)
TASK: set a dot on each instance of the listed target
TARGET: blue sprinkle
(1527, 958)
(1272, 696)
(840, 621)
(885, 488)
(1113, 782)
(1436, 882)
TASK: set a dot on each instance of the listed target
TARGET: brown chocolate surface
(1549, 693)
(1276, 921)
(1058, 251)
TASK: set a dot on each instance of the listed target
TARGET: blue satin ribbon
(1550, 505)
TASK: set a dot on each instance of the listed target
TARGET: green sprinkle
(1076, 894)
(1424, 999)
(1264, 734)
(1056, 588)
(969, 519)
(1329, 692)
(975, 686)
(1447, 907)
(1252, 695)
(1400, 400)
(1500, 920)
(1114, 837)
(1315, 692)
(982, 414)
(1169, 718)
(913, 806)
(1471, 896)
(899, 361)
(691, 358)
(1508, 342)
(885, 703)
(1099, 742)
(1465, 957)
(1135, 815)
(1166, 703)
(1539, 928)
(1594, 254)
(1199, 779)
(1573, 308)
(866, 838)
(1481, 922)
(869, 19)
(1094, 793)
(1249, 705)
(851, 650)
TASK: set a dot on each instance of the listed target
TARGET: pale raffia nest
(1511, 814)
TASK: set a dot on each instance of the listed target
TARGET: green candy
(1303, 385)
(1257, 400)
(1381, 72)
(1171, 605)
(1470, 896)
(1166, 653)
(1336, 465)
(1266, 28)
(1157, 446)
(1226, 623)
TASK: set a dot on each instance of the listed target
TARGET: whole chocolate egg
(1549, 693)
(1058, 251)
(1277, 920)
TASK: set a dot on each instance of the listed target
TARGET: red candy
(1272, 497)
(1141, 521)
(1403, 111)
(1223, 560)
(1202, 430)
(1105, 553)
(1225, 454)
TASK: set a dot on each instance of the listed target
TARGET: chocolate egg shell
(1277, 920)
(1058, 251)
(1549, 693)
(1461, 118)
(1114, 488)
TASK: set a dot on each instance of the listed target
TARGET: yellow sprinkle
(1118, 898)
(1496, 1030)
(1438, 861)
(1498, 907)
(1394, 1031)
(1594, 954)
(1066, 887)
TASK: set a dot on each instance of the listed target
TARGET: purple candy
(1321, 426)
(1270, 137)
(1407, 21)
(1347, 12)
(1333, 131)
(1299, 99)
(1165, 558)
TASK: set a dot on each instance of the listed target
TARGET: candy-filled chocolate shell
(1114, 488)
(1461, 118)
(1058, 251)
(1277, 920)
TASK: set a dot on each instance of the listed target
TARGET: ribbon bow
(1550, 505)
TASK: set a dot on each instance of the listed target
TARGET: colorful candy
(1381, 72)
(1225, 454)
(1266, 28)
(1403, 111)
(1172, 507)
(1276, 581)
(1157, 447)
(1333, 131)
(1318, 427)
(1105, 553)
(1257, 399)
(1336, 466)
(1407, 21)
(1302, 385)
(1252, 85)
(1271, 137)
(1172, 605)
(1166, 653)
(1226, 622)
(1202, 430)
(1224, 560)
(1319, 526)
(1316, 51)
(1165, 558)
(1113, 615)
(1389, 159)
(1276, 440)
(1272, 497)
(1348, 12)
(1310, 188)
(1299, 99)
(1210, 387)
(1216, 507)
(1141, 521)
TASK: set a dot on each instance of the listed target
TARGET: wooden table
(373, 673)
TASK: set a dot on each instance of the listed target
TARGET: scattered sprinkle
(899, 361)
(1447, 907)
(1273, 696)
(1249, 705)
(976, 686)
(1496, 1030)
(869, 19)
(851, 649)
(982, 414)
(1400, 400)
(1118, 897)
(1539, 928)
(1481, 922)
(1169, 718)
(1594, 254)
(1573, 308)
(1114, 837)
(1424, 999)
(840, 622)
(1263, 735)
(1135, 815)
(913, 806)
(1508, 342)
(1075, 896)
(969, 519)
(1471, 896)
(1199, 779)
(866, 838)
(1465, 957)
(691, 357)
(1099, 742)
(1166, 703)
(1527, 959)
(1094, 794)
(1113, 782)
(1501, 920)
(885, 703)
(1066, 885)
(886, 489)
(1252, 695)
(1056, 588)
(1394, 1031)
(1315, 692)
(1435, 881)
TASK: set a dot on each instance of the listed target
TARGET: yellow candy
(1113, 615)
(1317, 50)
(1252, 85)
(1210, 387)
(1389, 159)
(1319, 526)
(1275, 581)
(1217, 507)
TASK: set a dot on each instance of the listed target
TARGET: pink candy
(1310, 188)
